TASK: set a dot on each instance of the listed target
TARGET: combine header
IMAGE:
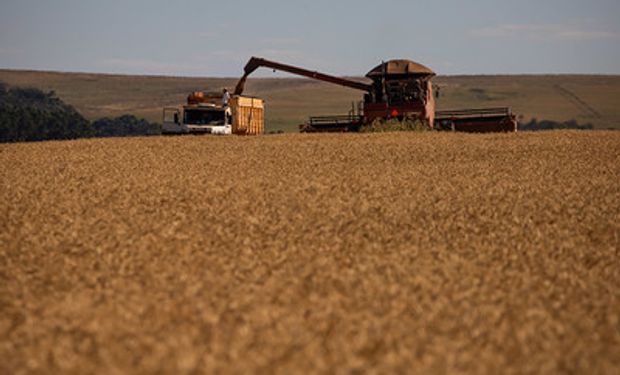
(399, 89)
(477, 120)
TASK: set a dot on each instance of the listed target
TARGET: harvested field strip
(438, 253)
(571, 96)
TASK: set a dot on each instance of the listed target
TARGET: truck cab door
(171, 121)
(228, 118)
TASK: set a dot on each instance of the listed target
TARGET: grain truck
(205, 113)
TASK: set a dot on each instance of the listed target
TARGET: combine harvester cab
(205, 113)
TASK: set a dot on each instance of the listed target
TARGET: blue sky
(216, 38)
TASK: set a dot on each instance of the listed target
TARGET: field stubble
(432, 253)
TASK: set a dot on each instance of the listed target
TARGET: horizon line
(147, 75)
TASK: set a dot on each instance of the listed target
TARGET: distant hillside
(585, 99)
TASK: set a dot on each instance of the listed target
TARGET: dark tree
(28, 114)
(32, 115)
(122, 126)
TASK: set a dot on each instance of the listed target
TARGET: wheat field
(401, 252)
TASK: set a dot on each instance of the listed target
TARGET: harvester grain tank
(399, 89)
(206, 113)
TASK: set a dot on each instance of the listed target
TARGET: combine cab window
(204, 117)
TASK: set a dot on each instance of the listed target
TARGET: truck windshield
(195, 117)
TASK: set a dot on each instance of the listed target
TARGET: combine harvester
(399, 89)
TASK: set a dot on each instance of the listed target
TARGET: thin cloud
(281, 41)
(228, 55)
(543, 32)
(238, 56)
(282, 54)
(587, 35)
(148, 66)
(202, 35)
(295, 57)
(212, 34)
(9, 51)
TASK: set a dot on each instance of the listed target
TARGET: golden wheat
(399, 252)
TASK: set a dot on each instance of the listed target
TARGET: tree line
(28, 114)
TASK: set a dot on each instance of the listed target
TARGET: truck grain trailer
(205, 113)
(398, 89)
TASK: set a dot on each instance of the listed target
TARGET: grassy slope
(442, 253)
(291, 101)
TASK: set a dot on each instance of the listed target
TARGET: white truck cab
(198, 118)
(205, 113)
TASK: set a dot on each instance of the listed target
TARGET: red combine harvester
(399, 89)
